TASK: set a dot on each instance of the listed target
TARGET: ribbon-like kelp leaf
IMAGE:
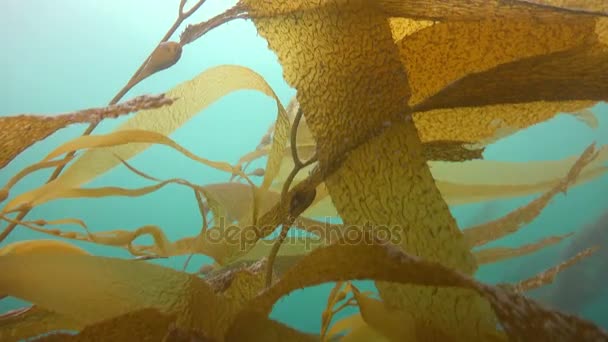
(195, 95)
(516, 219)
(557, 74)
(109, 287)
(358, 330)
(439, 44)
(590, 6)
(522, 318)
(140, 325)
(54, 188)
(33, 321)
(497, 254)
(21, 131)
(455, 10)
(29, 322)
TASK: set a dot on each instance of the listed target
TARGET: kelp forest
(396, 101)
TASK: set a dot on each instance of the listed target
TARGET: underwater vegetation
(396, 100)
(562, 294)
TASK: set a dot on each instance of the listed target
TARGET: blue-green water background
(65, 55)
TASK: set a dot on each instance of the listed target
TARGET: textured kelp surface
(396, 101)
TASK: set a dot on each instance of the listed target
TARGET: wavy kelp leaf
(516, 219)
(236, 199)
(487, 124)
(587, 117)
(113, 287)
(358, 330)
(591, 6)
(402, 27)
(521, 318)
(497, 254)
(195, 95)
(432, 9)
(581, 285)
(394, 325)
(21, 131)
(481, 9)
(548, 276)
(121, 137)
(140, 325)
(442, 54)
(559, 76)
(495, 172)
(41, 246)
(4, 192)
(33, 321)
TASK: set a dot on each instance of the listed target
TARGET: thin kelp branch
(338, 293)
(112, 111)
(23, 130)
(486, 232)
(176, 52)
(497, 254)
(193, 32)
(298, 165)
(547, 277)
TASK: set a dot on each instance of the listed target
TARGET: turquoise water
(64, 55)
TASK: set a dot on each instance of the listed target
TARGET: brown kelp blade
(195, 96)
(522, 318)
(21, 131)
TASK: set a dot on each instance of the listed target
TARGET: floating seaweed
(396, 101)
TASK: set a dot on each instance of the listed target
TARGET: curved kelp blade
(195, 95)
(522, 318)
(21, 131)
(52, 189)
(89, 289)
(25, 323)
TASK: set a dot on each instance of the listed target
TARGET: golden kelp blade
(358, 330)
(89, 289)
(33, 321)
(438, 45)
(21, 131)
(455, 10)
(29, 247)
(195, 95)
(522, 318)
(395, 325)
(513, 221)
(122, 137)
(140, 325)
(497, 254)
(589, 6)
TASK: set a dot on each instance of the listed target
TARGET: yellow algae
(357, 68)
(108, 287)
(28, 247)
(348, 96)
(22, 131)
(445, 51)
(33, 321)
(196, 95)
